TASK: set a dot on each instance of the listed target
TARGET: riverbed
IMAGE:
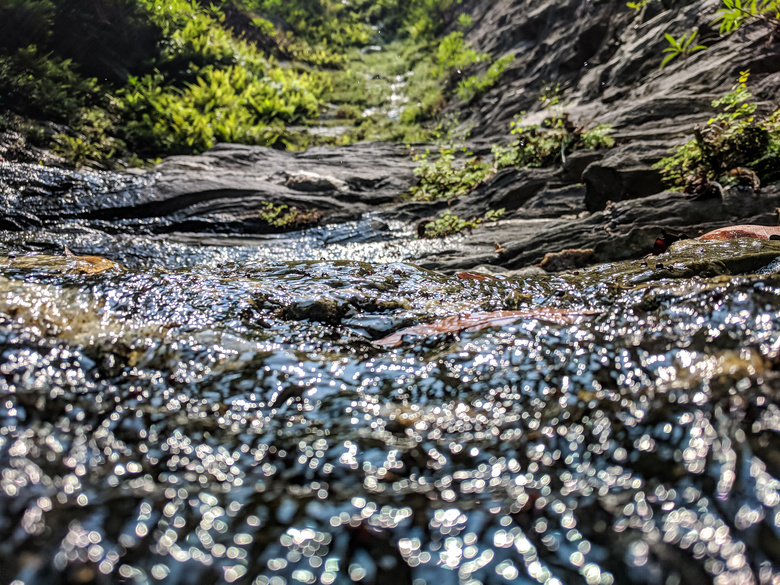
(221, 409)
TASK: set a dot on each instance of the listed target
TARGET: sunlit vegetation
(287, 217)
(124, 79)
(731, 140)
(454, 171)
(448, 224)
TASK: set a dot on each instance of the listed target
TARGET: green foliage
(207, 85)
(41, 85)
(638, 5)
(286, 217)
(465, 21)
(454, 54)
(681, 47)
(448, 224)
(425, 18)
(448, 175)
(735, 13)
(222, 105)
(550, 94)
(456, 171)
(476, 85)
(179, 76)
(537, 146)
(25, 22)
(731, 139)
(90, 141)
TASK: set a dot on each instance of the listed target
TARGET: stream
(216, 409)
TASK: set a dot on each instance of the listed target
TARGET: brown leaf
(474, 276)
(477, 321)
(760, 232)
(91, 265)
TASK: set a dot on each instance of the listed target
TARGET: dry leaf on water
(474, 276)
(476, 321)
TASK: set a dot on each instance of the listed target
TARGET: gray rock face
(624, 173)
(605, 58)
(222, 190)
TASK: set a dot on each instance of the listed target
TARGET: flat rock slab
(223, 190)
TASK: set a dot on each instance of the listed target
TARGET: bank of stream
(216, 409)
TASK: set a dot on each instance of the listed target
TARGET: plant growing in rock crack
(537, 146)
(286, 217)
(456, 171)
(681, 47)
(731, 140)
(453, 173)
(448, 224)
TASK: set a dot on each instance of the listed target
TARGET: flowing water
(222, 414)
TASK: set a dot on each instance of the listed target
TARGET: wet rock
(556, 202)
(577, 162)
(625, 173)
(65, 264)
(222, 190)
(328, 311)
(740, 201)
(566, 260)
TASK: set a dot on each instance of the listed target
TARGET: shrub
(731, 139)
(454, 54)
(41, 85)
(537, 146)
(735, 13)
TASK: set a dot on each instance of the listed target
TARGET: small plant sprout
(638, 5)
(681, 47)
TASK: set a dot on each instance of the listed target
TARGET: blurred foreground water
(220, 414)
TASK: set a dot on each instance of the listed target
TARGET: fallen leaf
(760, 232)
(474, 276)
(482, 320)
(91, 265)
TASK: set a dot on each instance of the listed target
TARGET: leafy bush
(730, 140)
(222, 105)
(537, 146)
(425, 18)
(454, 54)
(447, 175)
(456, 171)
(47, 86)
